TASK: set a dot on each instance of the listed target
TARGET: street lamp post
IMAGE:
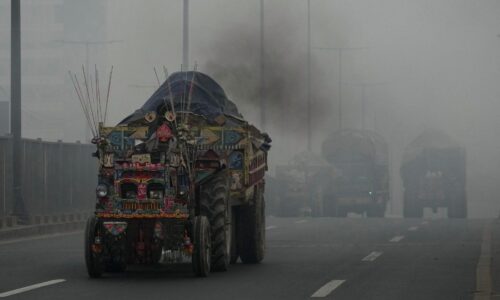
(261, 70)
(185, 35)
(340, 51)
(309, 100)
(15, 111)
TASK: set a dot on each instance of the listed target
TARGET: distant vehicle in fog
(433, 173)
(361, 184)
(297, 189)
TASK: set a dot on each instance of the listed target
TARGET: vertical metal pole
(340, 88)
(185, 36)
(87, 54)
(262, 66)
(309, 131)
(15, 93)
(363, 108)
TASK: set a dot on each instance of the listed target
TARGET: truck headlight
(101, 190)
(156, 194)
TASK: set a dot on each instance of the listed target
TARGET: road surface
(330, 258)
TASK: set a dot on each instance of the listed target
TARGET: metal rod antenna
(157, 78)
(79, 97)
(88, 98)
(171, 97)
(86, 105)
(165, 72)
(107, 94)
(94, 102)
(98, 103)
(188, 107)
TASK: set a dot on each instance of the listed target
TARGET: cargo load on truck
(361, 184)
(433, 173)
(180, 179)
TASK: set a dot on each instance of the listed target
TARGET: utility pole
(185, 36)
(262, 66)
(339, 51)
(309, 100)
(15, 111)
(363, 86)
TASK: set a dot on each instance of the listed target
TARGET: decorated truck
(299, 186)
(180, 180)
(361, 182)
(433, 173)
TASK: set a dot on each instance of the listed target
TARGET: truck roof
(190, 91)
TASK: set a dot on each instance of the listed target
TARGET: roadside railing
(58, 178)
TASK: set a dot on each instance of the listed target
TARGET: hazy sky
(424, 64)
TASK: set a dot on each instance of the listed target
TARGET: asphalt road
(330, 258)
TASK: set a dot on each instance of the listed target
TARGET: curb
(35, 230)
(42, 225)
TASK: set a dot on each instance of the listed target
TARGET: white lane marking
(301, 221)
(397, 238)
(483, 269)
(372, 256)
(425, 222)
(40, 237)
(31, 287)
(413, 228)
(270, 227)
(327, 289)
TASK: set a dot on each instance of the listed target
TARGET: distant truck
(297, 189)
(361, 184)
(433, 173)
(180, 178)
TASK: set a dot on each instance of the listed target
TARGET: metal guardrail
(57, 177)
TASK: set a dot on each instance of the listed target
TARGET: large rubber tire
(234, 236)
(93, 261)
(215, 205)
(202, 246)
(252, 230)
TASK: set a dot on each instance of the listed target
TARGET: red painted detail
(164, 133)
(142, 191)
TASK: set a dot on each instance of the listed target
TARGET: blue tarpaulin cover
(206, 97)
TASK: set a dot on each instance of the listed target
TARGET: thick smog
(230, 149)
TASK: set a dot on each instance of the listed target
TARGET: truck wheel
(202, 246)
(252, 230)
(234, 236)
(93, 261)
(214, 205)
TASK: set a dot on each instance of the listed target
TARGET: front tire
(215, 205)
(202, 246)
(93, 260)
